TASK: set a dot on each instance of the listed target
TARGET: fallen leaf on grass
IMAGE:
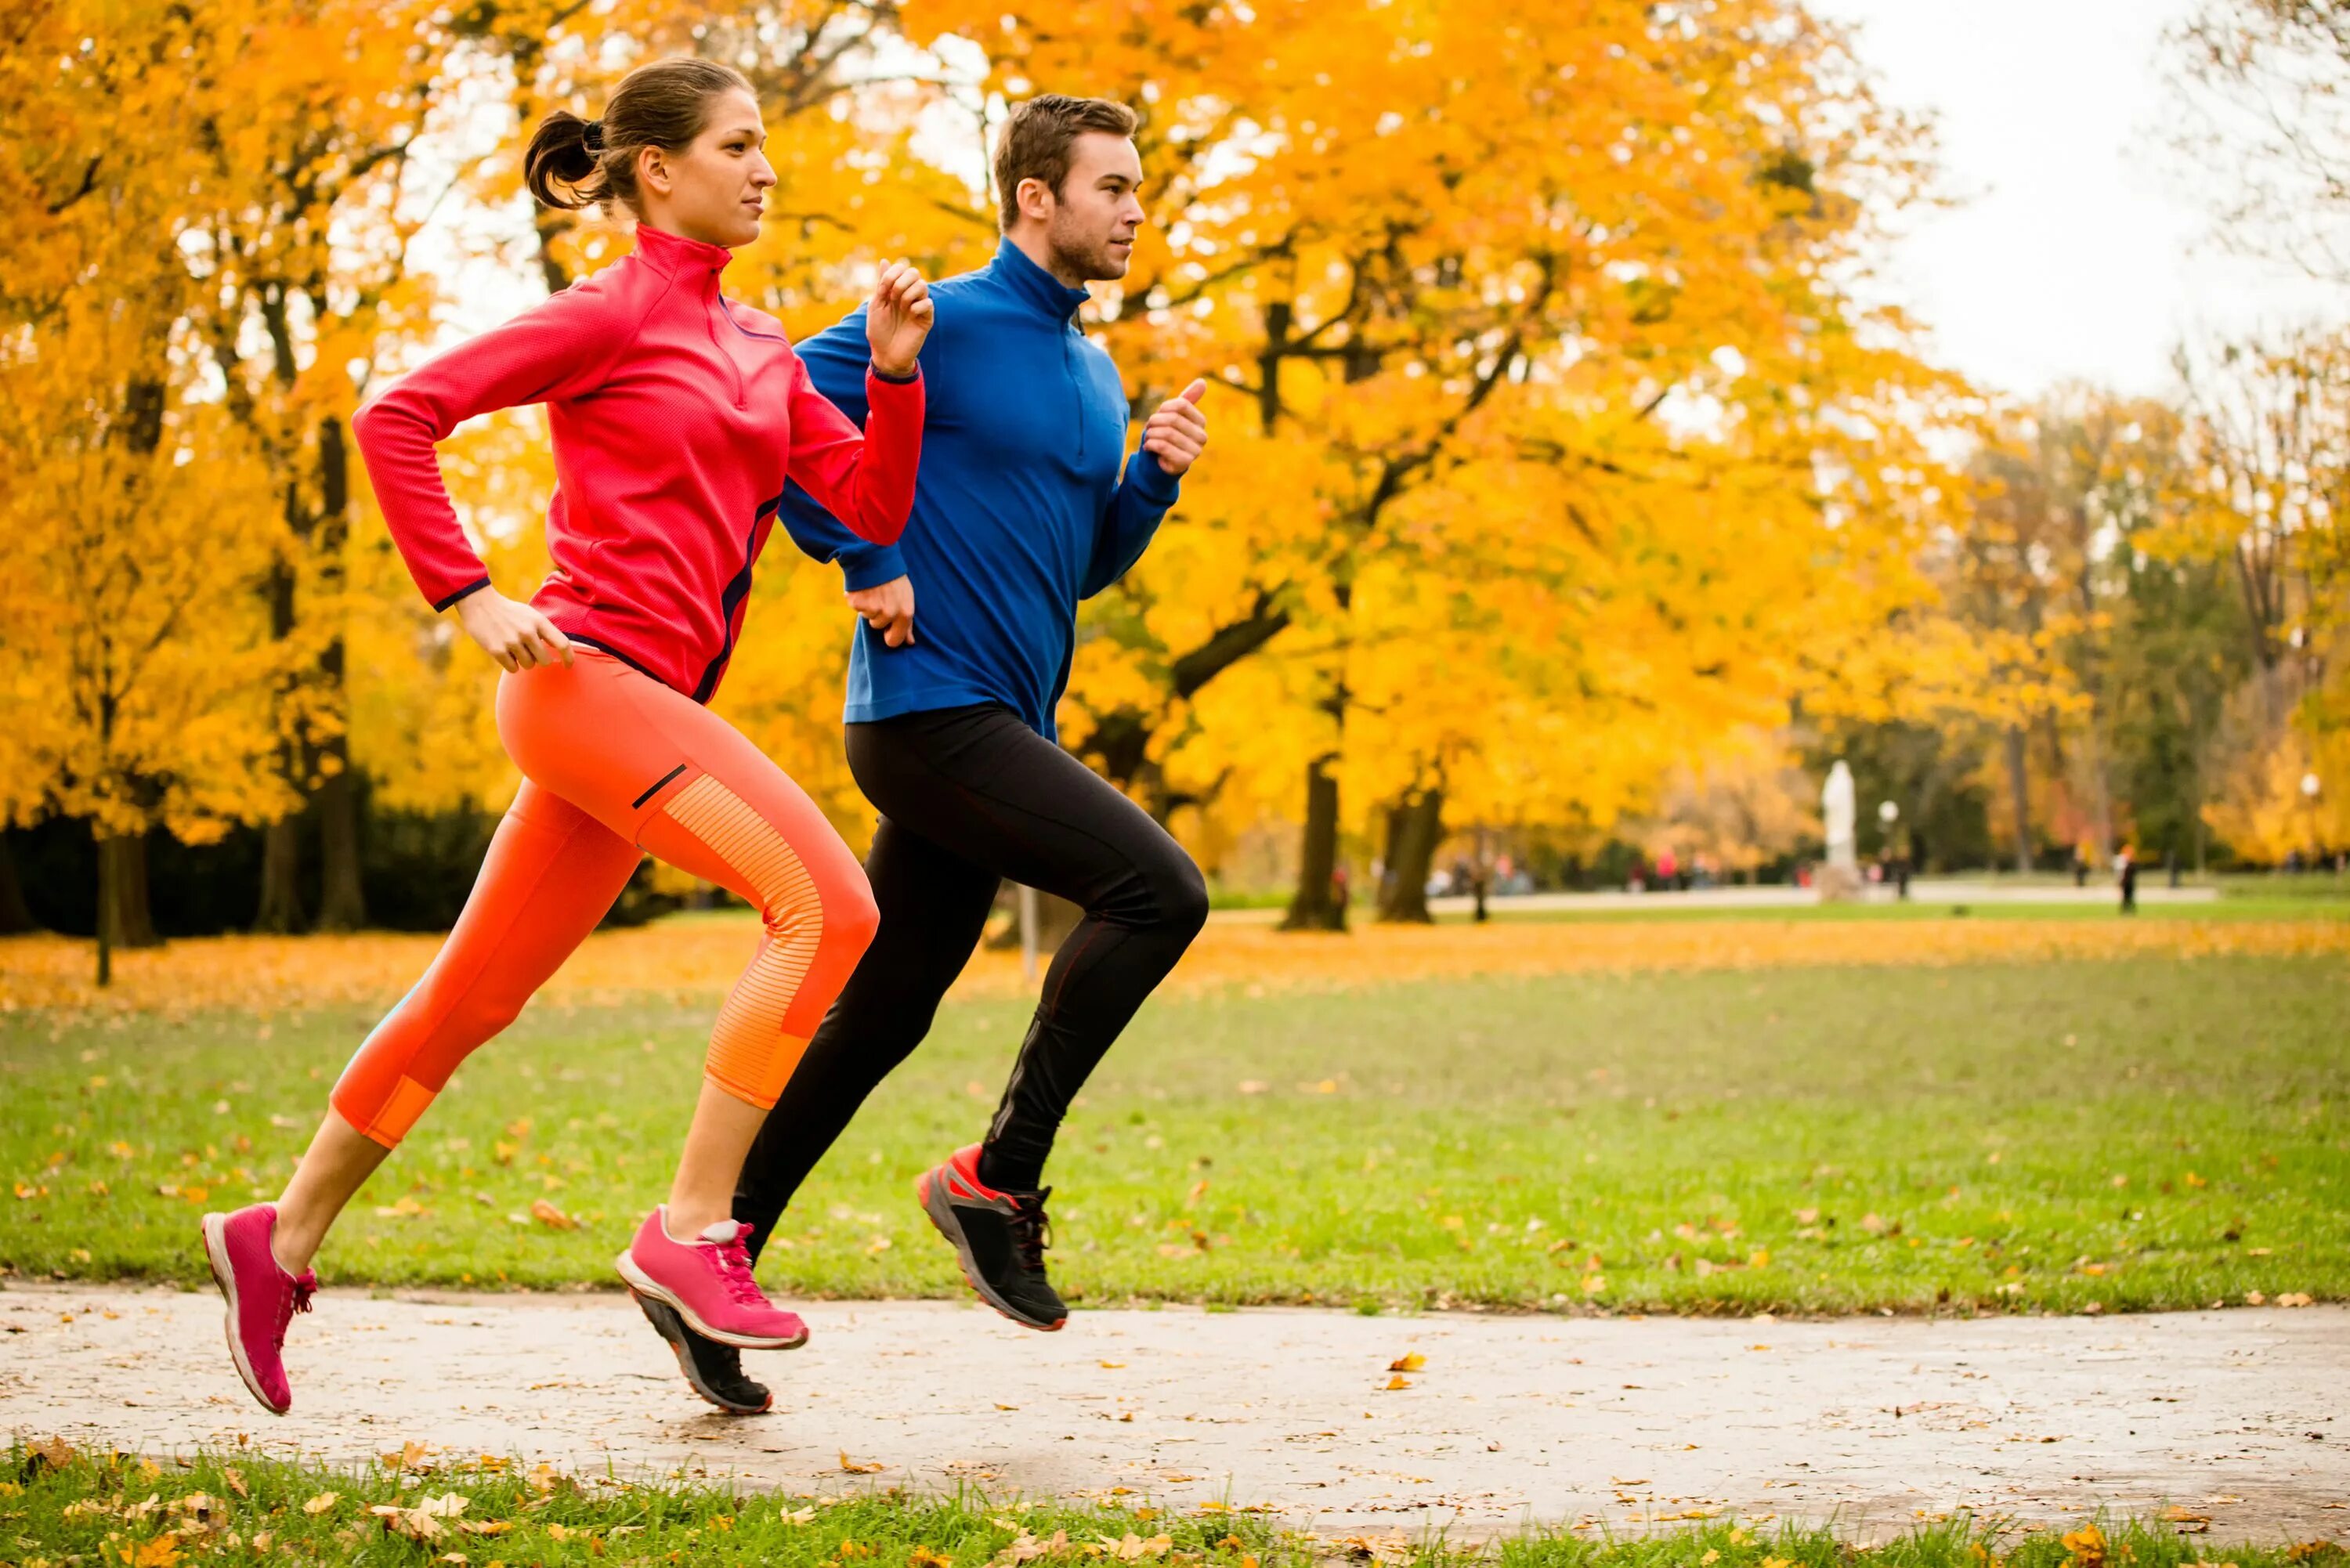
(236, 1483)
(2294, 1299)
(1027, 1548)
(412, 1523)
(1411, 1363)
(1133, 1547)
(923, 1557)
(56, 1453)
(855, 1469)
(322, 1502)
(548, 1215)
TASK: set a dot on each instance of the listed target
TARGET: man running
(1020, 511)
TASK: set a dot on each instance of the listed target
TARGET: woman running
(676, 416)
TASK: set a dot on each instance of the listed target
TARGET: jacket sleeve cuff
(871, 566)
(1151, 482)
(475, 586)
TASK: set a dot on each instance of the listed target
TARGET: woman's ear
(652, 170)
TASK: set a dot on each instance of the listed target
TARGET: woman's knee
(839, 908)
(850, 916)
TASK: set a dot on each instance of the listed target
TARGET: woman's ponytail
(560, 168)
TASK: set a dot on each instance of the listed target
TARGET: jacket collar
(674, 256)
(1032, 284)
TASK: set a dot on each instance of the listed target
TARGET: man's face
(1094, 222)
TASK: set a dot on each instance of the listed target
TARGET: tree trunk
(1315, 905)
(124, 920)
(280, 912)
(2019, 796)
(342, 907)
(15, 915)
(1418, 828)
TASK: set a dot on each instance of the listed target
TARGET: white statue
(1836, 809)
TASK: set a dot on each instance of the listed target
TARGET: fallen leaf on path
(1411, 1363)
(1112, 1366)
(855, 1469)
(2294, 1299)
(1398, 1381)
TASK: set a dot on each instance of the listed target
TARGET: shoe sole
(672, 1328)
(215, 1229)
(644, 1285)
(932, 1193)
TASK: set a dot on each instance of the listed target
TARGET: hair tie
(593, 135)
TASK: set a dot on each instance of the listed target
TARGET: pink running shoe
(262, 1298)
(708, 1282)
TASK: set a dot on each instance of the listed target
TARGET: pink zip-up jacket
(676, 415)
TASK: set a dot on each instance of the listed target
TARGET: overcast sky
(2078, 256)
(2076, 253)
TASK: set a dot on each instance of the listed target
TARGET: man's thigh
(993, 791)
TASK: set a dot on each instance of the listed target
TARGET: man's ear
(1035, 199)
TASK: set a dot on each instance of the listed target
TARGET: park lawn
(2231, 905)
(122, 1507)
(2134, 1133)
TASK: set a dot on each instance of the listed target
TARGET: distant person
(1667, 871)
(2128, 880)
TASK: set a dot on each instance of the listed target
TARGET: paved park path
(1870, 1421)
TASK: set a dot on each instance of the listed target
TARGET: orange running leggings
(615, 764)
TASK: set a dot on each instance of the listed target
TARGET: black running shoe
(715, 1370)
(999, 1236)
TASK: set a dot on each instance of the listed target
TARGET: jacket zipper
(742, 395)
(1076, 392)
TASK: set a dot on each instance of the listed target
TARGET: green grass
(2250, 905)
(119, 1508)
(2140, 1133)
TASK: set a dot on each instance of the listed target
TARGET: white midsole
(640, 1281)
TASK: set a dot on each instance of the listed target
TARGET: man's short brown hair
(1034, 142)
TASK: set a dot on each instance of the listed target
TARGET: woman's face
(715, 190)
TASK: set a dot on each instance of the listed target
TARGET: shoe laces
(295, 1299)
(1032, 1229)
(733, 1265)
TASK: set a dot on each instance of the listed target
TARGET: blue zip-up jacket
(1019, 508)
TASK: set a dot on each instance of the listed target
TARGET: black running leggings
(969, 797)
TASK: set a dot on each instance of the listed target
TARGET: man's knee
(1180, 895)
